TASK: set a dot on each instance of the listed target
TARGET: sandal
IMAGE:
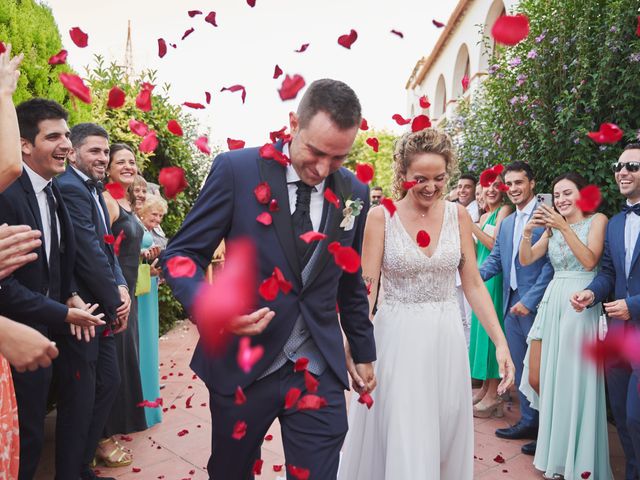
(118, 457)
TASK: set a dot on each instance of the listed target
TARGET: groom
(522, 289)
(303, 323)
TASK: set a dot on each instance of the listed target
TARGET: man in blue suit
(522, 288)
(303, 323)
(619, 275)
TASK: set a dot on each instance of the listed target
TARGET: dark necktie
(54, 250)
(301, 218)
(628, 208)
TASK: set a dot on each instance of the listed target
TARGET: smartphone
(545, 198)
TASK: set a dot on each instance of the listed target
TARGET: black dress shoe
(517, 432)
(529, 448)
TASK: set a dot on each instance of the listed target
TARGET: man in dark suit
(305, 323)
(618, 275)
(100, 281)
(36, 293)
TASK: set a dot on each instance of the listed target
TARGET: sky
(249, 42)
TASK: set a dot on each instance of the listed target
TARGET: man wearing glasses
(620, 275)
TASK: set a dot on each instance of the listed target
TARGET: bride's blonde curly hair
(429, 140)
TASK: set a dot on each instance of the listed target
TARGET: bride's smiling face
(430, 171)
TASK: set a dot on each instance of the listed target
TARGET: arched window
(440, 98)
(462, 68)
(496, 10)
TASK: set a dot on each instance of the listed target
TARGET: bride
(421, 423)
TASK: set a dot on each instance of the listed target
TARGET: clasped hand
(363, 378)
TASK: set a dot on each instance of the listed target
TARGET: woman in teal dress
(566, 389)
(482, 351)
(152, 212)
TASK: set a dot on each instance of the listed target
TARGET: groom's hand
(252, 324)
(367, 378)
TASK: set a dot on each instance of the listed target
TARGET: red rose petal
(609, 133)
(211, 18)
(173, 181)
(193, 13)
(283, 283)
(207, 97)
(277, 468)
(424, 102)
(365, 399)
(590, 198)
(183, 432)
(499, 168)
(347, 259)
(162, 47)
(118, 242)
(59, 58)
(498, 459)
(116, 97)
(180, 266)
(585, 475)
(299, 473)
(373, 143)
(241, 398)
(194, 105)
(239, 430)
(273, 205)
(248, 355)
(269, 289)
(311, 402)
(136, 469)
(364, 172)
(149, 143)
(291, 397)
(257, 466)
(137, 127)
(310, 382)
(312, 236)
(347, 40)
(235, 144)
(423, 239)
(437, 24)
(115, 190)
(277, 71)
(465, 83)
(264, 218)
(268, 438)
(3, 47)
(236, 88)
(143, 100)
(187, 403)
(420, 123)
(262, 193)
(301, 364)
(202, 143)
(280, 135)
(187, 33)
(78, 37)
(503, 187)
(75, 86)
(331, 197)
(398, 33)
(109, 239)
(409, 185)
(174, 127)
(290, 87)
(364, 125)
(389, 205)
(400, 120)
(302, 48)
(510, 29)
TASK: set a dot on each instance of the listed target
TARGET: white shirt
(474, 211)
(521, 219)
(94, 194)
(39, 184)
(317, 194)
(631, 232)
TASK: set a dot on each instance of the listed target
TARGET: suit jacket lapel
(31, 199)
(510, 225)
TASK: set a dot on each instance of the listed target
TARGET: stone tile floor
(161, 454)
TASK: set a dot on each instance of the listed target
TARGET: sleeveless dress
(482, 351)
(572, 435)
(148, 328)
(9, 431)
(126, 416)
(421, 424)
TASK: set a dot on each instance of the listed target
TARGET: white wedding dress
(421, 423)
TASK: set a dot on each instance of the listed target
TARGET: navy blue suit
(93, 364)
(227, 209)
(622, 378)
(23, 297)
(532, 282)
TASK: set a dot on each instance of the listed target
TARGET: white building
(464, 49)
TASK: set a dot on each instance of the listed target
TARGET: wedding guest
(482, 351)
(619, 270)
(480, 199)
(138, 193)
(567, 391)
(375, 195)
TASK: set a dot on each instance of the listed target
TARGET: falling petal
(80, 38)
(347, 40)
(173, 180)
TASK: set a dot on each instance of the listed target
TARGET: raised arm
(528, 254)
(372, 251)
(482, 236)
(10, 152)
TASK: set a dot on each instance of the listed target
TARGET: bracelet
(526, 238)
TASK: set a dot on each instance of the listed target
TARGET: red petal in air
(424, 102)
(273, 205)
(149, 143)
(173, 181)
(347, 259)
(409, 185)
(487, 177)
(264, 218)
(299, 473)
(269, 289)
(364, 125)
(586, 474)
(149, 404)
(503, 187)
(277, 72)
(180, 266)
(333, 248)
(609, 133)
(400, 120)
(499, 168)
(311, 402)
(162, 47)
(174, 127)
(283, 283)
(194, 105)
(138, 127)
(248, 355)
(59, 58)
(301, 364)
(119, 239)
(310, 382)
(236, 88)
(277, 468)
(366, 399)
(291, 86)
(239, 430)
(193, 13)
(510, 29)
(398, 33)
(331, 197)
(389, 205)
(251, 3)
(80, 38)
(268, 438)
(420, 123)
(241, 398)
(76, 87)
(187, 33)
(347, 40)
(143, 100)
(257, 466)
(437, 24)
(234, 144)
(498, 459)
(291, 397)
(302, 48)
(211, 18)
(364, 172)
(262, 193)
(373, 143)
(116, 97)
(115, 190)
(203, 145)
(312, 236)
(3, 47)
(590, 198)
(109, 239)
(423, 239)
(207, 97)
(269, 151)
(279, 134)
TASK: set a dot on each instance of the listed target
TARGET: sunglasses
(631, 167)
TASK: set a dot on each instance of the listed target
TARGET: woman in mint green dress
(560, 383)
(482, 351)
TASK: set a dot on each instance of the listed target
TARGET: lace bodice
(561, 256)
(408, 275)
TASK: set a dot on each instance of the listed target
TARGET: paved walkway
(178, 448)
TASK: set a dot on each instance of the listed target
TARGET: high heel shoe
(478, 396)
(492, 410)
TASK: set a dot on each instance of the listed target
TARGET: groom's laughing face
(319, 148)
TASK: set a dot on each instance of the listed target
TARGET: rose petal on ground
(498, 459)
(510, 29)
(116, 98)
(173, 180)
(78, 37)
(183, 432)
(180, 266)
(187, 403)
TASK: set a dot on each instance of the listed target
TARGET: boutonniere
(352, 209)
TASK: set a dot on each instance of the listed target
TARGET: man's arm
(492, 265)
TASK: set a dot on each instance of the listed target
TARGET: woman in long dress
(567, 390)
(421, 423)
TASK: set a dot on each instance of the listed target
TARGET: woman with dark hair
(566, 390)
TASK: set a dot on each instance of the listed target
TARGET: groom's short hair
(333, 97)
(520, 166)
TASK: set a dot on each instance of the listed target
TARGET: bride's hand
(506, 369)
(356, 381)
